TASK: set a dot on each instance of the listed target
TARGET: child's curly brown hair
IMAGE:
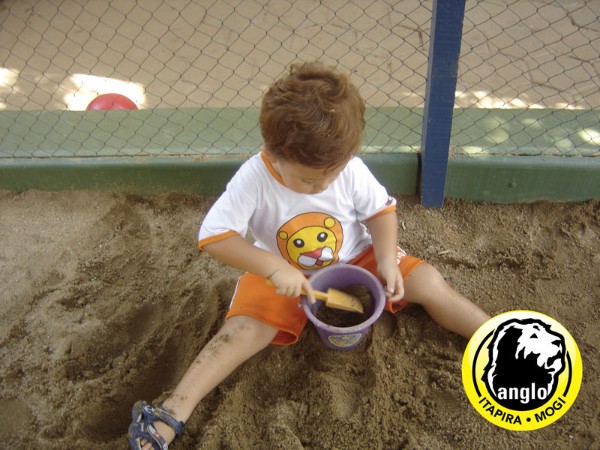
(314, 117)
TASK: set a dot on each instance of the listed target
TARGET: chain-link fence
(528, 80)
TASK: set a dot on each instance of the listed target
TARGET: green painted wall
(198, 150)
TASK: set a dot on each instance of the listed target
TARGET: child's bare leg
(240, 338)
(426, 286)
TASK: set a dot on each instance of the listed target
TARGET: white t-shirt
(309, 231)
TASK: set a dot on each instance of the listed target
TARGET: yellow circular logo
(522, 370)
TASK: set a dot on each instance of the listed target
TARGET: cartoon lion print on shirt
(311, 241)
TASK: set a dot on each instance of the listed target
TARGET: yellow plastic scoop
(337, 299)
(340, 300)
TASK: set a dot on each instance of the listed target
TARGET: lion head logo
(311, 240)
(525, 359)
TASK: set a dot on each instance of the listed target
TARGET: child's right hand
(290, 282)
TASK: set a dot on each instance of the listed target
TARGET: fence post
(444, 50)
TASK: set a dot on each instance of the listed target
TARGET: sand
(106, 300)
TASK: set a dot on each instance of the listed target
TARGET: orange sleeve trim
(383, 211)
(216, 238)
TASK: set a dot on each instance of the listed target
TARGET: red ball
(110, 101)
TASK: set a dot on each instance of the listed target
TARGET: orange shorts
(254, 298)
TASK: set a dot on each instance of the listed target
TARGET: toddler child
(309, 202)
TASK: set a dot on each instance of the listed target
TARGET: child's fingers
(393, 297)
(395, 290)
(310, 293)
(400, 289)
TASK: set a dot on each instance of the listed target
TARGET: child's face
(304, 179)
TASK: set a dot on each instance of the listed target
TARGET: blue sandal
(144, 415)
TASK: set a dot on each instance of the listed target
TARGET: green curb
(145, 176)
(153, 175)
(513, 179)
(494, 179)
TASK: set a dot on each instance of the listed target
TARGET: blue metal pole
(442, 72)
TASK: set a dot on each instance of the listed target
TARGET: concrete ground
(59, 54)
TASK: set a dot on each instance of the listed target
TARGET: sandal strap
(167, 417)
(141, 430)
(149, 414)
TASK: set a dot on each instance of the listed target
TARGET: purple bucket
(341, 276)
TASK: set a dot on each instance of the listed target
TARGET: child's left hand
(393, 282)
